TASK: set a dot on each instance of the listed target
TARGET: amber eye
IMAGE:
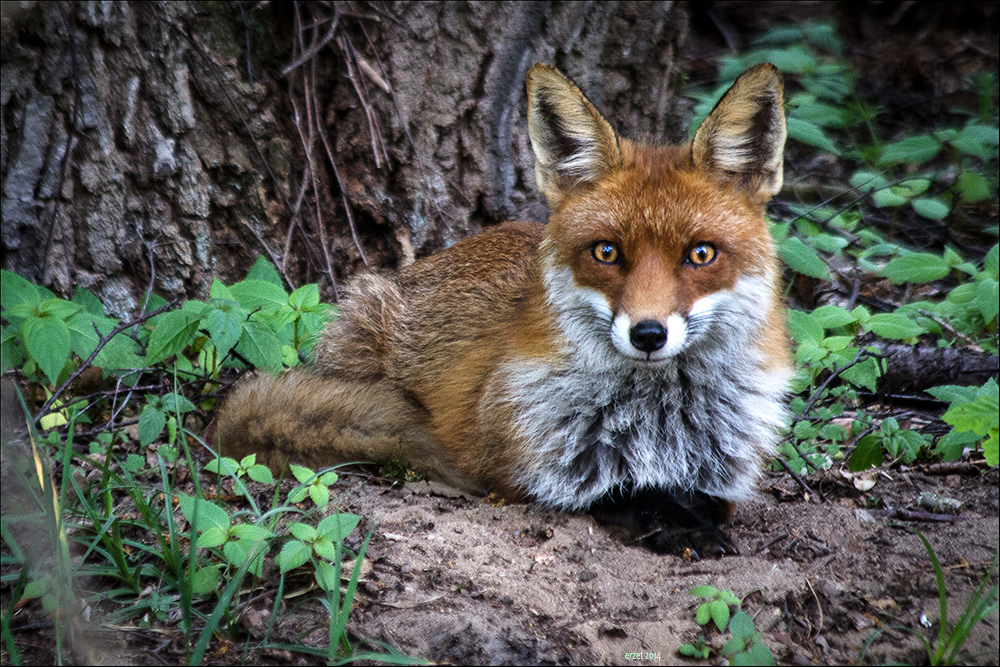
(605, 252)
(702, 254)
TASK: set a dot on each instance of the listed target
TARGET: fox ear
(573, 144)
(742, 140)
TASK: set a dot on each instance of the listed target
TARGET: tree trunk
(167, 143)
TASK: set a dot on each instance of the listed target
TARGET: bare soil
(457, 580)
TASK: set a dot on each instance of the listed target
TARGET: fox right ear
(573, 144)
(743, 140)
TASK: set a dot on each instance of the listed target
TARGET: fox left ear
(572, 142)
(742, 141)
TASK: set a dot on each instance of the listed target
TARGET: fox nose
(648, 336)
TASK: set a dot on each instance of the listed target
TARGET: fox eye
(702, 254)
(605, 252)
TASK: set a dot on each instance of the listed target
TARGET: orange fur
(468, 363)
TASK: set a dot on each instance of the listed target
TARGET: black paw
(691, 544)
(683, 524)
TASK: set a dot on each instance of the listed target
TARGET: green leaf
(912, 150)
(325, 548)
(916, 267)
(306, 296)
(810, 134)
(260, 474)
(988, 298)
(932, 209)
(15, 290)
(952, 445)
(864, 374)
(303, 531)
(338, 526)
(977, 141)
(88, 302)
(978, 416)
(134, 463)
(759, 654)
(704, 613)
(867, 454)
(720, 614)
(742, 626)
(225, 326)
(83, 337)
(973, 187)
(804, 327)
(259, 294)
(704, 592)
(831, 317)
(205, 580)
(48, 343)
(888, 198)
(802, 259)
(912, 187)
(209, 514)
(151, 424)
(246, 531)
(120, 353)
(817, 113)
(894, 326)
(293, 554)
(260, 346)
(220, 291)
(264, 270)
(301, 473)
(174, 402)
(868, 181)
(991, 448)
(171, 334)
(953, 392)
(238, 551)
(319, 494)
(326, 576)
(991, 263)
(212, 537)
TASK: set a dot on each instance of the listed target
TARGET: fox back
(633, 344)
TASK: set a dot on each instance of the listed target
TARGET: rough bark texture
(160, 142)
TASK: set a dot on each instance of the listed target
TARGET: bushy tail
(319, 421)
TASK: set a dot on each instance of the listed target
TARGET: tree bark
(165, 144)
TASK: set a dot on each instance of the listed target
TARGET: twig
(801, 482)
(343, 191)
(319, 211)
(315, 47)
(70, 137)
(246, 33)
(374, 132)
(819, 626)
(100, 346)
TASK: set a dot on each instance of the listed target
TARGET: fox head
(652, 248)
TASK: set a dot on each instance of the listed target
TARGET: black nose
(648, 336)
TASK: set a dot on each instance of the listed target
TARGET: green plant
(165, 566)
(973, 414)
(985, 600)
(744, 646)
(847, 235)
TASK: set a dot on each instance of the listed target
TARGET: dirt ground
(457, 580)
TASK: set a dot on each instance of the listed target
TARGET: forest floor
(457, 580)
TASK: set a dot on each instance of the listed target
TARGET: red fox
(631, 352)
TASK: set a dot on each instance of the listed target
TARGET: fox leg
(669, 522)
